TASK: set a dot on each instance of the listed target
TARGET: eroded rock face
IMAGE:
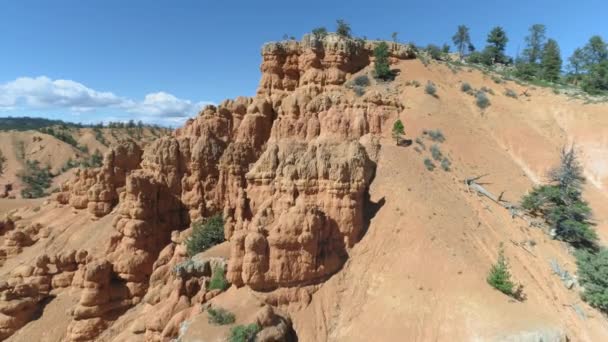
(285, 168)
(307, 204)
(323, 61)
(97, 190)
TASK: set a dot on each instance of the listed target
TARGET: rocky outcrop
(285, 168)
(29, 286)
(19, 236)
(18, 305)
(97, 190)
(322, 61)
(307, 204)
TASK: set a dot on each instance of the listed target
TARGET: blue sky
(160, 60)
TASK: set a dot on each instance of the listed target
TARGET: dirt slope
(420, 270)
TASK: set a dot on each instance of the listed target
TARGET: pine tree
(560, 202)
(499, 276)
(551, 61)
(535, 42)
(343, 28)
(576, 63)
(595, 51)
(497, 42)
(398, 130)
(462, 39)
(381, 65)
(395, 36)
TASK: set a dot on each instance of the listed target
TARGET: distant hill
(38, 150)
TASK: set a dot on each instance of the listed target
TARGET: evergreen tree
(561, 204)
(551, 61)
(497, 42)
(596, 80)
(343, 28)
(319, 32)
(462, 39)
(398, 130)
(499, 276)
(535, 42)
(577, 62)
(596, 51)
(593, 275)
(381, 65)
(394, 36)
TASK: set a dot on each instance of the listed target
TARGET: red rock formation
(285, 168)
(97, 189)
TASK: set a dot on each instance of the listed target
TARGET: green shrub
(421, 143)
(413, 83)
(500, 277)
(359, 91)
(487, 90)
(482, 100)
(36, 179)
(220, 316)
(244, 333)
(218, 279)
(205, 234)
(434, 51)
(446, 164)
(361, 81)
(436, 153)
(593, 276)
(511, 93)
(465, 87)
(435, 135)
(429, 164)
(430, 89)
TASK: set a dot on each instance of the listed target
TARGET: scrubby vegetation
(446, 164)
(435, 135)
(465, 87)
(35, 178)
(205, 234)
(220, 316)
(436, 153)
(218, 279)
(430, 89)
(2, 162)
(361, 81)
(428, 163)
(482, 100)
(511, 93)
(244, 333)
(60, 134)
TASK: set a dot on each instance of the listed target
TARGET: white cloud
(44, 93)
